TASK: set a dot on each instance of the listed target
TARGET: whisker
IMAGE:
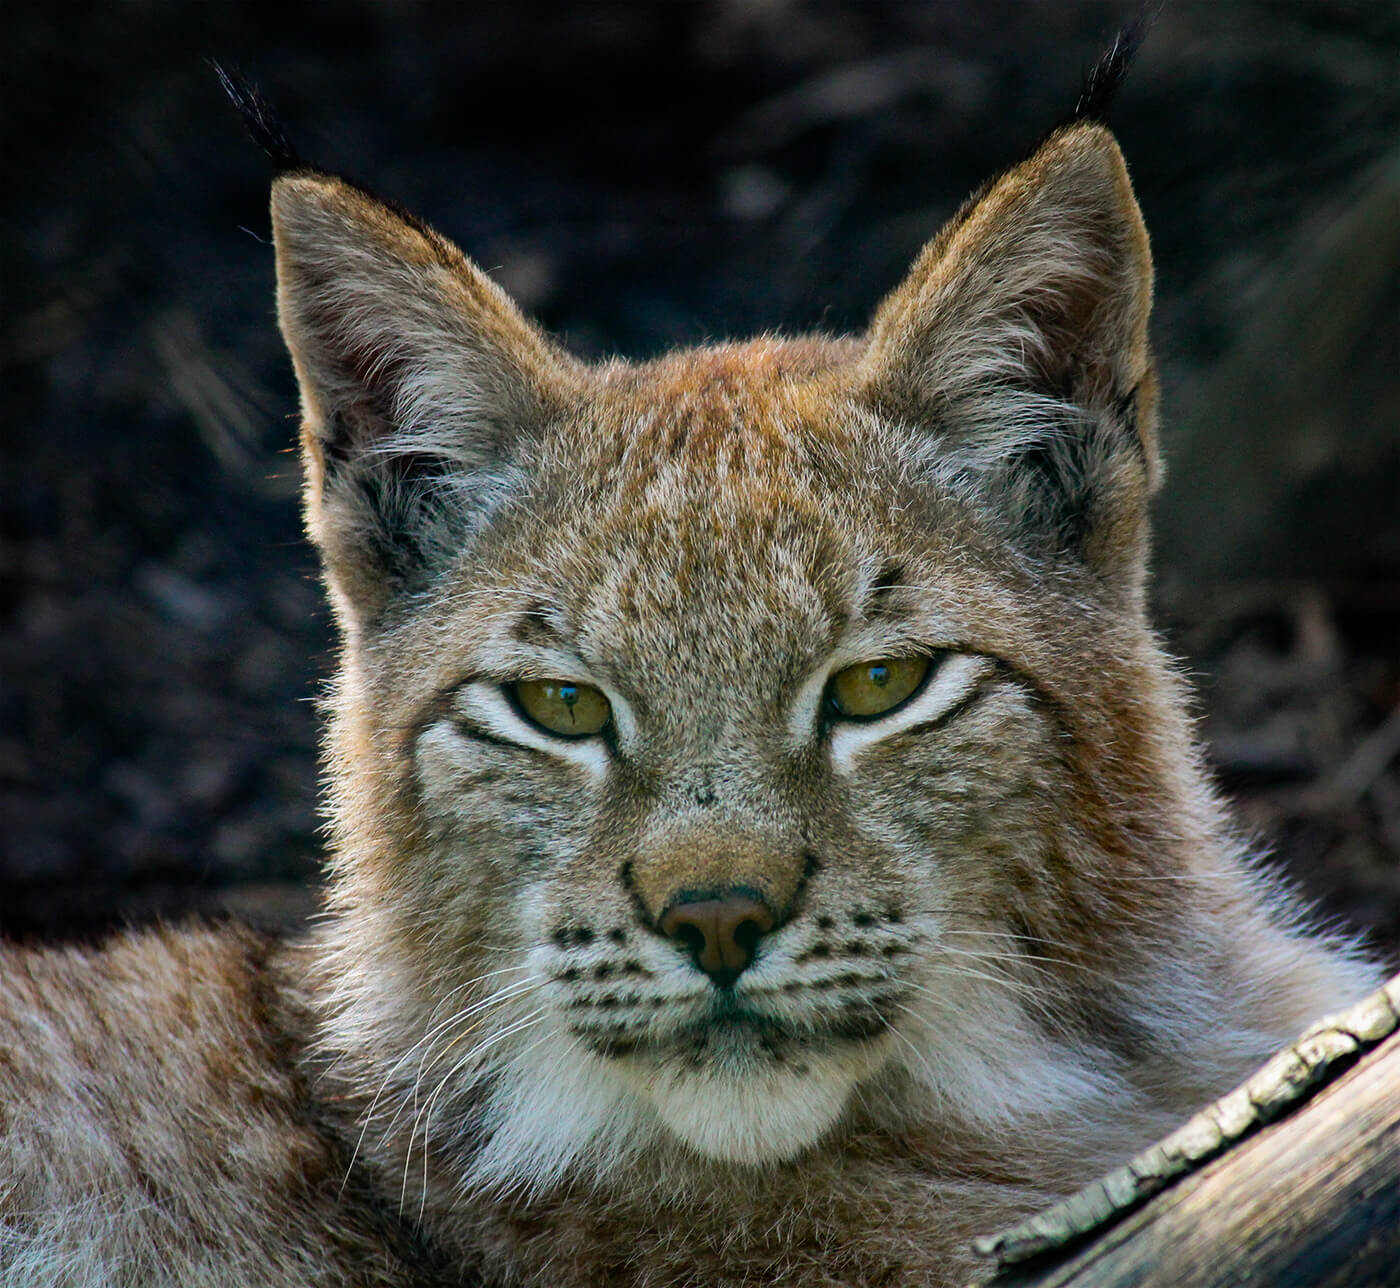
(1020, 987)
(1024, 992)
(509, 993)
(423, 1200)
(425, 1114)
(500, 995)
(918, 1055)
(1013, 958)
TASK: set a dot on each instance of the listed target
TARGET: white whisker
(499, 996)
(424, 1116)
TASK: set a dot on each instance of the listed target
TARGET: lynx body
(769, 845)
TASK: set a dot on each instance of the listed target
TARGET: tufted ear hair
(1019, 343)
(419, 379)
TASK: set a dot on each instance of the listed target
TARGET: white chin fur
(761, 1116)
(556, 1110)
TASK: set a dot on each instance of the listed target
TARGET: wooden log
(1291, 1181)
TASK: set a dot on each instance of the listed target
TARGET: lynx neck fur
(769, 845)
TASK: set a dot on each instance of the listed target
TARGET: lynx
(769, 845)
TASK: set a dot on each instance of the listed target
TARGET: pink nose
(720, 932)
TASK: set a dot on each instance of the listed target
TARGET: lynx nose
(719, 931)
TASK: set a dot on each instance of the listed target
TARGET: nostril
(747, 934)
(690, 937)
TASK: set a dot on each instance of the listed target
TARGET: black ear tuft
(1103, 79)
(259, 119)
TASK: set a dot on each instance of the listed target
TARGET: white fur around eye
(957, 676)
(485, 704)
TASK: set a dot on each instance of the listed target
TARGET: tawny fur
(1017, 937)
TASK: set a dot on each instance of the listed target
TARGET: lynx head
(734, 745)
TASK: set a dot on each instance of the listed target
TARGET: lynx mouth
(735, 1032)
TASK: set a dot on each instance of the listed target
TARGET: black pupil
(568, 695)
(880, 675)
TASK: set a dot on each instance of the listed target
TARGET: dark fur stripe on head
(259, 119)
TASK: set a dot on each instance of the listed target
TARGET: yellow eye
(563, 708)
(873, 688)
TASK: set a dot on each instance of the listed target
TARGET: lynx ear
(418, 379)
(1019, 340)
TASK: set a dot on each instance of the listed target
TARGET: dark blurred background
(641, 175)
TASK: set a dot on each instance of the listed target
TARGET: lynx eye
(871, 689)
(563, 708)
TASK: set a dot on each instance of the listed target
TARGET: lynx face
(733, 894)
(735, 743)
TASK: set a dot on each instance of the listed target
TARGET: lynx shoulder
(769, 845)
